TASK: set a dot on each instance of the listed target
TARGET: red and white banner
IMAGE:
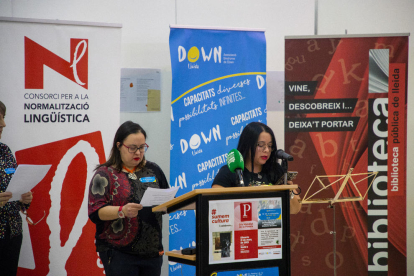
(345, 108)
(60, 84)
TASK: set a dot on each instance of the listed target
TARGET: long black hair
(248, 144)
(2, 109)
(121, 134)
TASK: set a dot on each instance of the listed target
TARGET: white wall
(145, 36)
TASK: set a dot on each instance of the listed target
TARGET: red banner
(63, 241)
(343, 117)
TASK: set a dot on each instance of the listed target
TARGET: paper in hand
(26, 178)
(154, 197)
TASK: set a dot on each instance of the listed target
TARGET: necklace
(131, 173)
(259, 175)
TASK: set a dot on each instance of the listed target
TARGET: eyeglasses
(30, 221)
(134, 149)
(262, 146)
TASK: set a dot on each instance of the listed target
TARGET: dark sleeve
(8, 161)
(24, 206)
(98, 194)
(225, 177)
(94, 217)
(162, 180)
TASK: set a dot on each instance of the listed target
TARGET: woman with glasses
(128, 235)
(11, 233)
(257, 145)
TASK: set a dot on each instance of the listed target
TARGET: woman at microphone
(257, 145)
(128, 235)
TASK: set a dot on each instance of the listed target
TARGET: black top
(226, 178)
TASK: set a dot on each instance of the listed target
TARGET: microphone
(283, 155)
(235, 163)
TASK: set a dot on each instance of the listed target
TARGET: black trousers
(117, 263)
(9, 254)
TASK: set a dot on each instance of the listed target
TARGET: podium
(241, 229)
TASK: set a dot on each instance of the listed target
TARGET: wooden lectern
(240, 229)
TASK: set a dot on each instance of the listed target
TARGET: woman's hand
(295, 204)
(131, 209)
(4, 197)
(27, 198)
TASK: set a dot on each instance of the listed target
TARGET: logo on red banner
(246, 211)
(36, 56)
(64, 240)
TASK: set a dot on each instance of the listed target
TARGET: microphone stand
(284, 166)
(239, 173)
(334, 236)
(285, 169)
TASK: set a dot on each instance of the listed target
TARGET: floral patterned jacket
(141, 235)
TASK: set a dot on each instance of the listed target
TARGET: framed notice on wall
(140, 90)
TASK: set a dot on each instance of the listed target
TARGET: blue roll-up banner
(218, 86)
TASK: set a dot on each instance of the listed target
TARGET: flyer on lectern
(245, 229)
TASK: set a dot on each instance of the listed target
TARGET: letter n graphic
(36, 56)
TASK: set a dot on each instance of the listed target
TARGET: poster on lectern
(57, 81)
(245, 230)
(345, 117)
(218, 86)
